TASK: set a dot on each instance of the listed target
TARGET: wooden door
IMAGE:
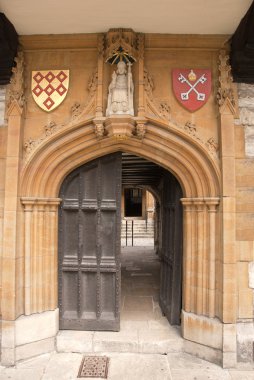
(171, 253)
(89, 246)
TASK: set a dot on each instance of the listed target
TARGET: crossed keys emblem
(185, 95)
(192, 87)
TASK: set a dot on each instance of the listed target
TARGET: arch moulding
(165, 144)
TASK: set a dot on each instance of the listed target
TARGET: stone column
(228, 283)
(200, 240)
(199, 322)
(10, 242)
(40, 254)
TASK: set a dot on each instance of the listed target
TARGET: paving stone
(242, 375)
(139, 367)
(123, 341)
(21, 374)
(159, 341)
(182, 360)
(161, 324)
(132, 303)
(63, 367)
(38, 362)
(195, 374)
(134, 325)
(74, 341)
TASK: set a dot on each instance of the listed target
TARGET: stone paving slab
(153, 337)
(242, 375)
(122, 341)
(124, 366)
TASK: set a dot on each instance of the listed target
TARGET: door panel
(171, 254)
(89, 246)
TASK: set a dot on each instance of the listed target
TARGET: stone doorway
(89, 247)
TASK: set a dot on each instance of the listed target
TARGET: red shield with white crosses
(192, 87)
(49, 88)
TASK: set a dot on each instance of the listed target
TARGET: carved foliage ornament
(15, 91)
(158, 107)
(225, 88)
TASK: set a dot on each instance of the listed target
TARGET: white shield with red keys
(192, 87)
(49, 88)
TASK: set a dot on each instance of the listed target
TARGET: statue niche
(120, 91)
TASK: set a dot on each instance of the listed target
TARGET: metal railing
(126, 232)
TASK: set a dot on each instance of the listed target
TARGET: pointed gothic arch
(166, 145)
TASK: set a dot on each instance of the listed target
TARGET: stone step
(132, 339)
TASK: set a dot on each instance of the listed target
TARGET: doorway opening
(151, 242)
(90, 254)
(133, 202)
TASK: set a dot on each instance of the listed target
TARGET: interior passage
(140, 284)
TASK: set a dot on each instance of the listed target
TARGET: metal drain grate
(94, 366)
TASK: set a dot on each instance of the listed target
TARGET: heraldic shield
(192, 87)
(49, 88)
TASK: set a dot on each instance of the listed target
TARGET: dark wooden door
(89, 246)
(171, 254)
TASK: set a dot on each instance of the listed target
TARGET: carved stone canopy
(118, 40)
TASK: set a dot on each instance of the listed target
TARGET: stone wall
(2, 105)
(246, 108)
(2, 167)
(245, 220)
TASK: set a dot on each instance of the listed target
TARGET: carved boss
(191, 87)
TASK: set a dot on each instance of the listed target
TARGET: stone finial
(225, 91)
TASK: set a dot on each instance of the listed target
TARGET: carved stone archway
(166, 145)
(29, 267)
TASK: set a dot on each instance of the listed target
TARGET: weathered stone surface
(123, 341)
(251, 275)
(242, 375)
(159, 341)
(2, 105)
(125, 366)
(30, 350)
(245, 339)
(21, 374)
(74, 341)
(139, 367)
(203, 330)
(203, 352)
(246, 117)
(33, 323)
(63, 366)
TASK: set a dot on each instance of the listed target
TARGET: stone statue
(120, 91)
